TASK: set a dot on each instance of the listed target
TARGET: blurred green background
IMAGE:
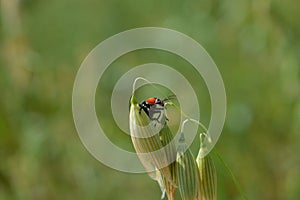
(255, 44)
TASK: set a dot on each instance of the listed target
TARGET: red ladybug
(145, 105)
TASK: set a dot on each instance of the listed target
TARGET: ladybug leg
(159, 114)
(167, 119)
(155, 118)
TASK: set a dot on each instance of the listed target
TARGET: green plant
(173, 167)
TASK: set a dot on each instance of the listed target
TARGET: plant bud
(187, 173)
(145, 135)
(207, 176)
(167, 139)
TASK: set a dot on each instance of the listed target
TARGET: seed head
(187, 173)
(207, 176)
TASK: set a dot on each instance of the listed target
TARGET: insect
(148, 103)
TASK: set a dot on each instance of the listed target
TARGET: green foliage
(254, 43)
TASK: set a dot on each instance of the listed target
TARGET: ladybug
(145, 105)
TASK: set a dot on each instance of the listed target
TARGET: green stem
(236, 183)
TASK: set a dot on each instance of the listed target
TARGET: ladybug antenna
(173, 96)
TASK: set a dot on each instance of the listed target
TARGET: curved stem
(199, 124)
(147, 81)
(135, 80)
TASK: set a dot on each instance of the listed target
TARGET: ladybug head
(158, 101)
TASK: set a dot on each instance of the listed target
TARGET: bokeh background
(256, 45)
